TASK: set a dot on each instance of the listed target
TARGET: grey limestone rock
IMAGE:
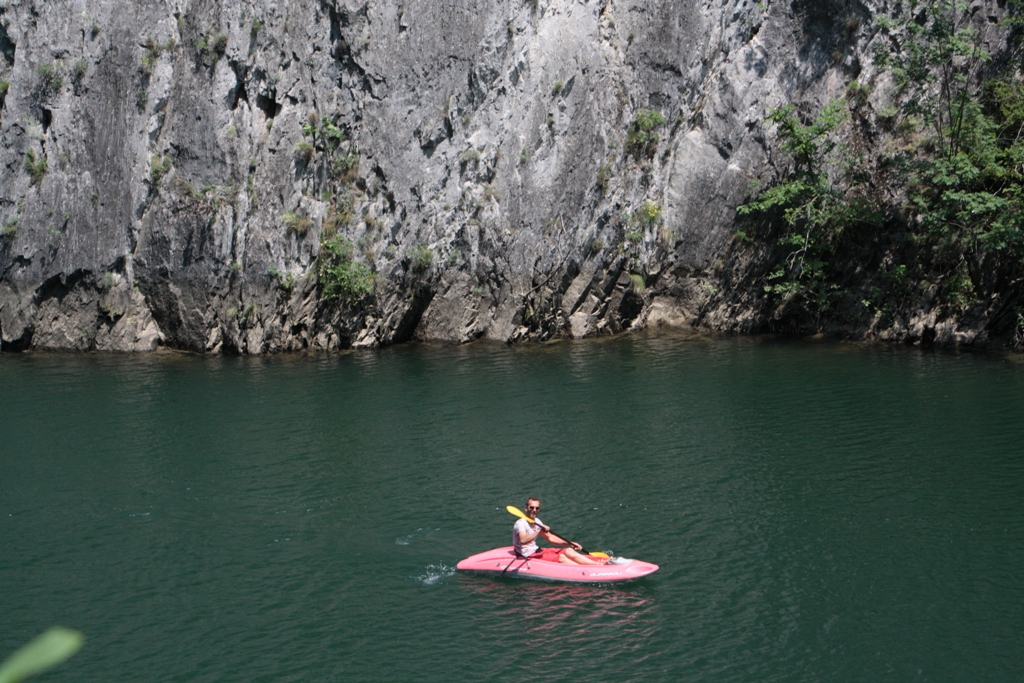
(168, 177)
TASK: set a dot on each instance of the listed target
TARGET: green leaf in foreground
(42, 653)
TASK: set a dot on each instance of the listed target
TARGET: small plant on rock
(107, 280)
(36, 166)
(158, 168)
(642, 141)
(296, 224)
(219, 44)
(324, 132)
(303, 152)
(148, 60)
(858, 93)
(604, 174)
(649, 213)
(421, 257)
(50, 79)
(79, 69)
(215, 45)
(345, 167)
(337, 160)
(339, 276)
(10, 228)
(153, 52)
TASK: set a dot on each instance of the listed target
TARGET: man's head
(532, 506)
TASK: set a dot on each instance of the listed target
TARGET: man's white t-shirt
(522, 525)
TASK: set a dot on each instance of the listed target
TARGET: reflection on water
(550, 615)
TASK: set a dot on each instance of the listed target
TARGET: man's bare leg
(570, 556)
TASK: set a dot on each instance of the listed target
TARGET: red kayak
(503, 562)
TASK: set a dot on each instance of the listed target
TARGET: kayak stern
(503, 562)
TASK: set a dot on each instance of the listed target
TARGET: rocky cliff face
(171, 171)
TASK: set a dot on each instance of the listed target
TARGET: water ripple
(819, 512)
(434, 573)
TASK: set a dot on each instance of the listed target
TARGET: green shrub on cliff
(218, 44)
(814, 206)
(642, 141)
(36, 166)
(943, 205)
(339, 276)
(50, 78)
(345, 167)
(159, 166)
(421, 257)
(214, 45)
(965, 180)
(649, 213)
(964, 159)
(338, 162)
(303, 152)
(323, 131)
(604, 174)
(152, 53)
(296, 224)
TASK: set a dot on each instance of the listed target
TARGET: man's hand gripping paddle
(519, 513)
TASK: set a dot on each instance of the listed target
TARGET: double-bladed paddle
(519, 513)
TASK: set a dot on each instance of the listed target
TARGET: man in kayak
(524, 538)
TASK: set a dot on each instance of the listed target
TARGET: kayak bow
(503, 561)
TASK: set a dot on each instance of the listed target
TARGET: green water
(820, 512)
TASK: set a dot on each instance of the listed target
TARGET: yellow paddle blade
(518, 513)
(604, 555)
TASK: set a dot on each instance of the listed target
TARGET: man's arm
(526, 537)
(557, 540)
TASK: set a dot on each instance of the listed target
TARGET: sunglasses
(533, 507)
